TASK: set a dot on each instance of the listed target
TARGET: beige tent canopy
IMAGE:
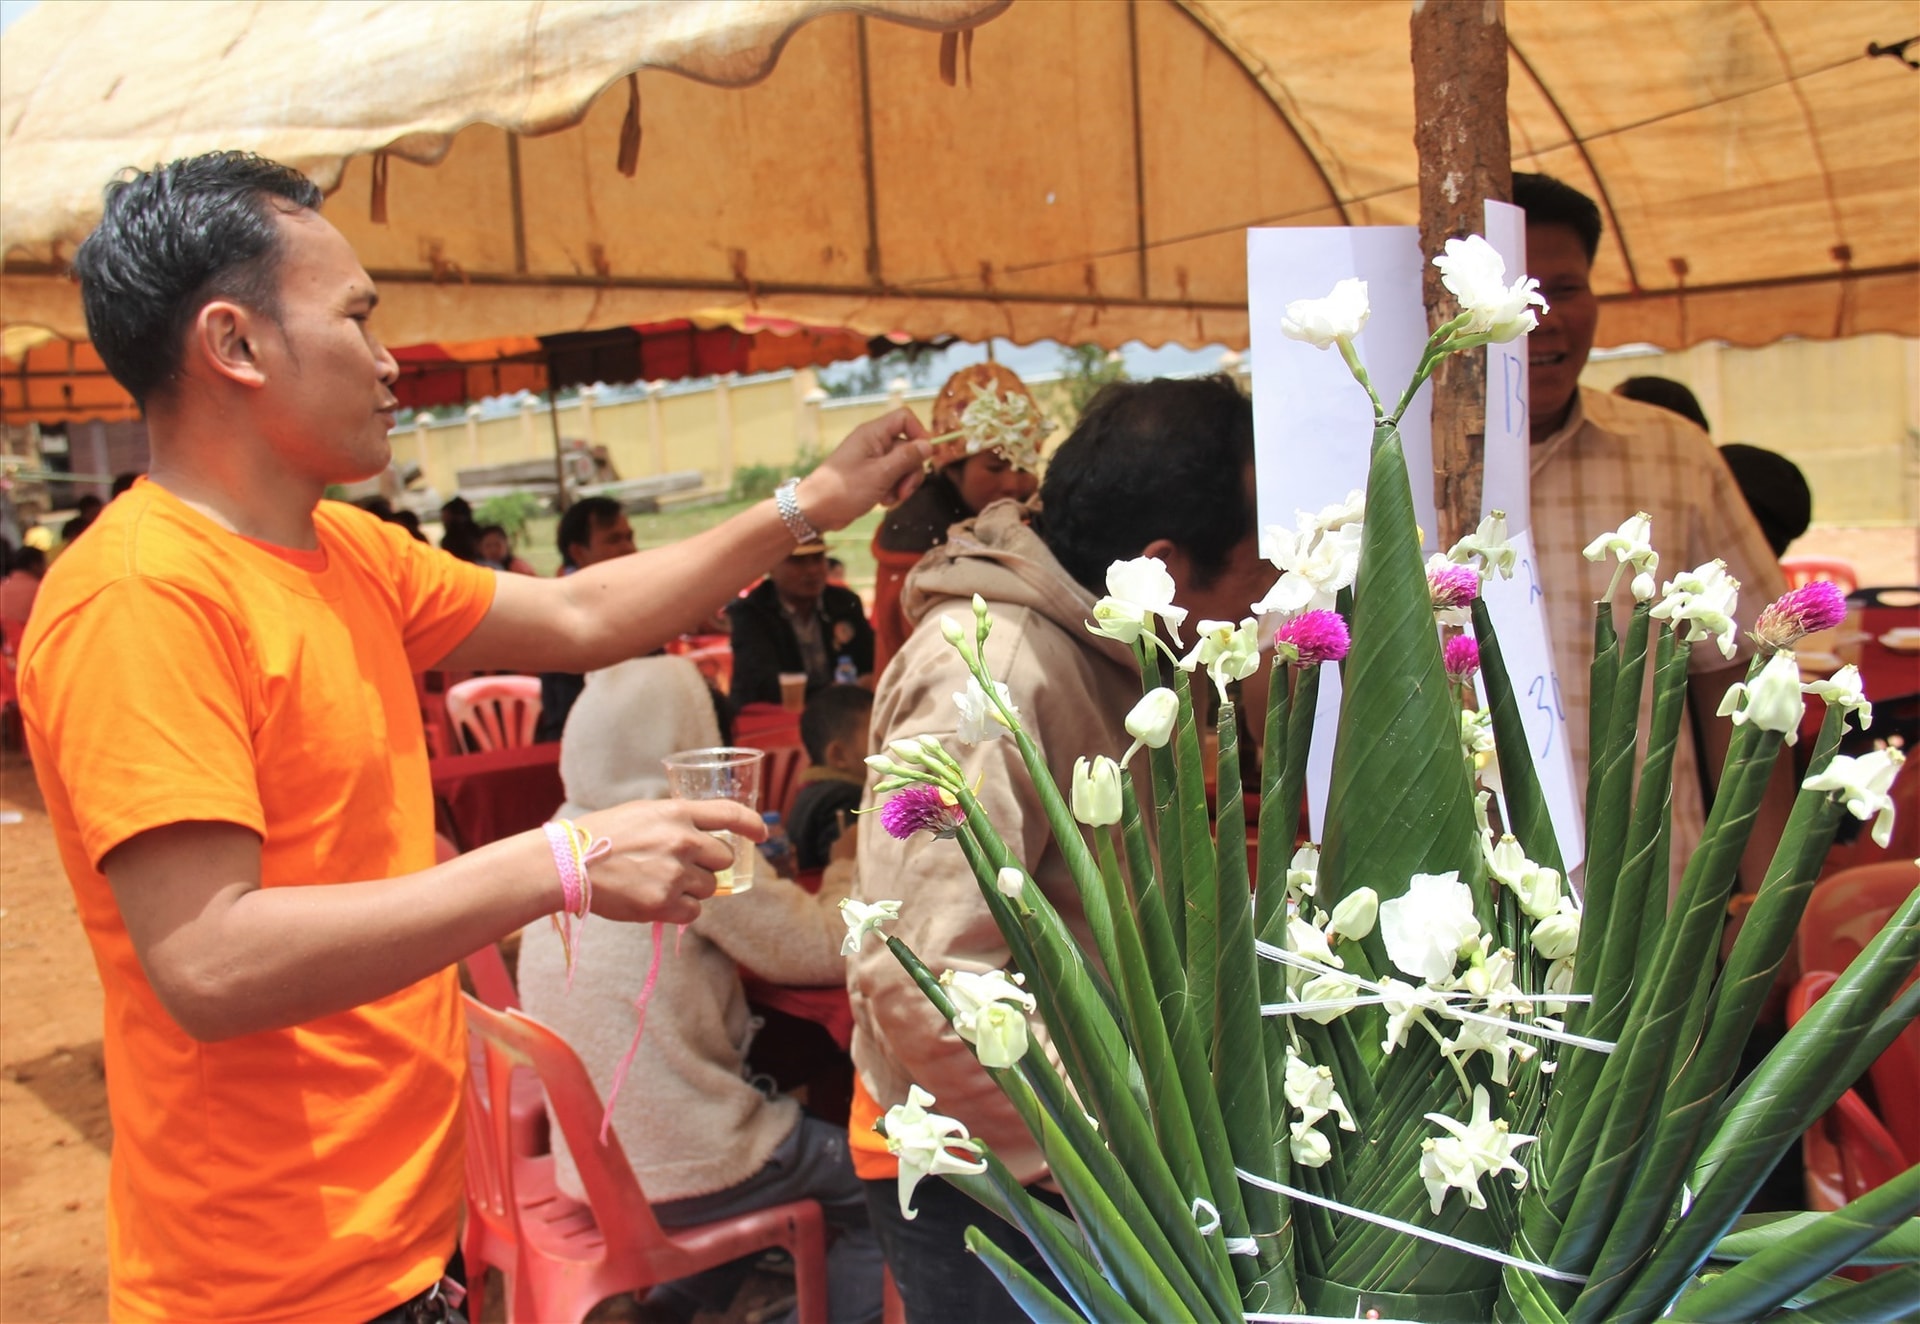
(1086, 176)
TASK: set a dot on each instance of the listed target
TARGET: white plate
(1818, 664)
(1906, 639)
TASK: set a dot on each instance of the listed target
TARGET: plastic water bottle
(777, 848)
(846, 673)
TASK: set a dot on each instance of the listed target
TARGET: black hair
(461, 541)
(30, 559)
(122, 482)
(1775, 489)
(582, 518)
(1169, 458)
(1665, 393)
(376, 505)
(409, 521)
(173, 239)
(1547, 201)
(456, 510)
(834, 712)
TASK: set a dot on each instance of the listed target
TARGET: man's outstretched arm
(630, 606)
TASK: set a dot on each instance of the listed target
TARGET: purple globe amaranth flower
(1313, 637)
(1800, 612)
(921, 808)
(1453, 585)
(1462, 656)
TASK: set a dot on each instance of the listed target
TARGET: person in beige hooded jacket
(1161, 468)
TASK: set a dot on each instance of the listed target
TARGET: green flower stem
(1359, 371)
(1166, 1096)
(1239, 1054)
(1611, 808)
(1186, 1043)
(1689, 1103)
(1270, 891)
(1887, 1299)
(1167, 821)
(1785, 1096)
(1040, 1305)
(1519, 779)
(1754, 1233)
(1058, 1240)
(1602, 674)
(1439, 345)
(1199, 881)
(1754, 1287)
(1611, 1139)
(1127, 1228)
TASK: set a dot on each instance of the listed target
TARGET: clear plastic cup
(793, 690)
(722, 773)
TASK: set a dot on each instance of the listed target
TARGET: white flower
(1843, 690)
(1302, 871)
(1337, 516)
(979, 719)
(1772, 702)
(1304, 939)
(998, 1034)
(1096, 791)
(863, 918)
(970, 991)
(1229, 652)
(1559, 979)
(1310, 1148)
(1537, 887)
(1630, 544)
(950, 631)
(1558, 935)
(1151, 721)
(1315, 564)
(1353, 917)
(1493, 1040)
(1329, 987)
(1489, 544)
(1405, 1004)
(1011, 883)
(1426, 929)
(1137, 591)
(1476, 742)
(923, 1142)
(1320, 322)
(1310, 1089)
(1705, 598)
(1477, 276)
(1864, 783)
(1477, 1147)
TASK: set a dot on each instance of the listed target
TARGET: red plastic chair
(495, 712)
(1803, 570)
(764, 725)
(561, 1257)
(1851, 1149)
(1848, 908)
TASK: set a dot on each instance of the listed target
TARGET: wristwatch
(787, 501)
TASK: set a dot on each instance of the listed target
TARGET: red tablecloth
(480, 798)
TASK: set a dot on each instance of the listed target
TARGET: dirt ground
(53, 1104)
(54, 1135)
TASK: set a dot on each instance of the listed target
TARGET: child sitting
(834, 728)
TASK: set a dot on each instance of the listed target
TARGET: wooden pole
(1460, 132)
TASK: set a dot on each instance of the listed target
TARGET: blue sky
(11, 10)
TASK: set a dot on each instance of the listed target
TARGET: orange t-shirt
(872, 1160)
(177, 672)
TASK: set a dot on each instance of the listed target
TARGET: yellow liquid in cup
(737, 877)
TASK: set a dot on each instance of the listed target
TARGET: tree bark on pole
(1460, 133)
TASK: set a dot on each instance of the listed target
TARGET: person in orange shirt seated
(989, 454)
(217, 692)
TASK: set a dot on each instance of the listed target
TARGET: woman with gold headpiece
(988, 432)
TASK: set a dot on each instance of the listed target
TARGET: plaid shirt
(1612, 458)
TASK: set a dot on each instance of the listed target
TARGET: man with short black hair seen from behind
(1598, 459)
(1161, 469)
(592, 530)
(836, 728)
(218, 696)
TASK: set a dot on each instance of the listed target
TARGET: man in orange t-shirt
(217, 691)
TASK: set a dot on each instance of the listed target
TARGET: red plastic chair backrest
(1848, 908)
(512, 1038)
(487, 968)
(495, 712)
(1865, 1153)
(1803, 570)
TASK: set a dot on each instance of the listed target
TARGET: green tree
(1084, 370)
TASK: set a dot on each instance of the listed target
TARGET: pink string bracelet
(573, 850)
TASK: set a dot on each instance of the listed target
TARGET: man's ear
(1178, 563)
(224, 339)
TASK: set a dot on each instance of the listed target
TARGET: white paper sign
(1313, 425)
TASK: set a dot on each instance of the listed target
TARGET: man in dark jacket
(794, 621)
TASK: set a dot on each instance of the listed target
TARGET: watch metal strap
(787, 501)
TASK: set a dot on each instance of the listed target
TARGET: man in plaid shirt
(1599, 458)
